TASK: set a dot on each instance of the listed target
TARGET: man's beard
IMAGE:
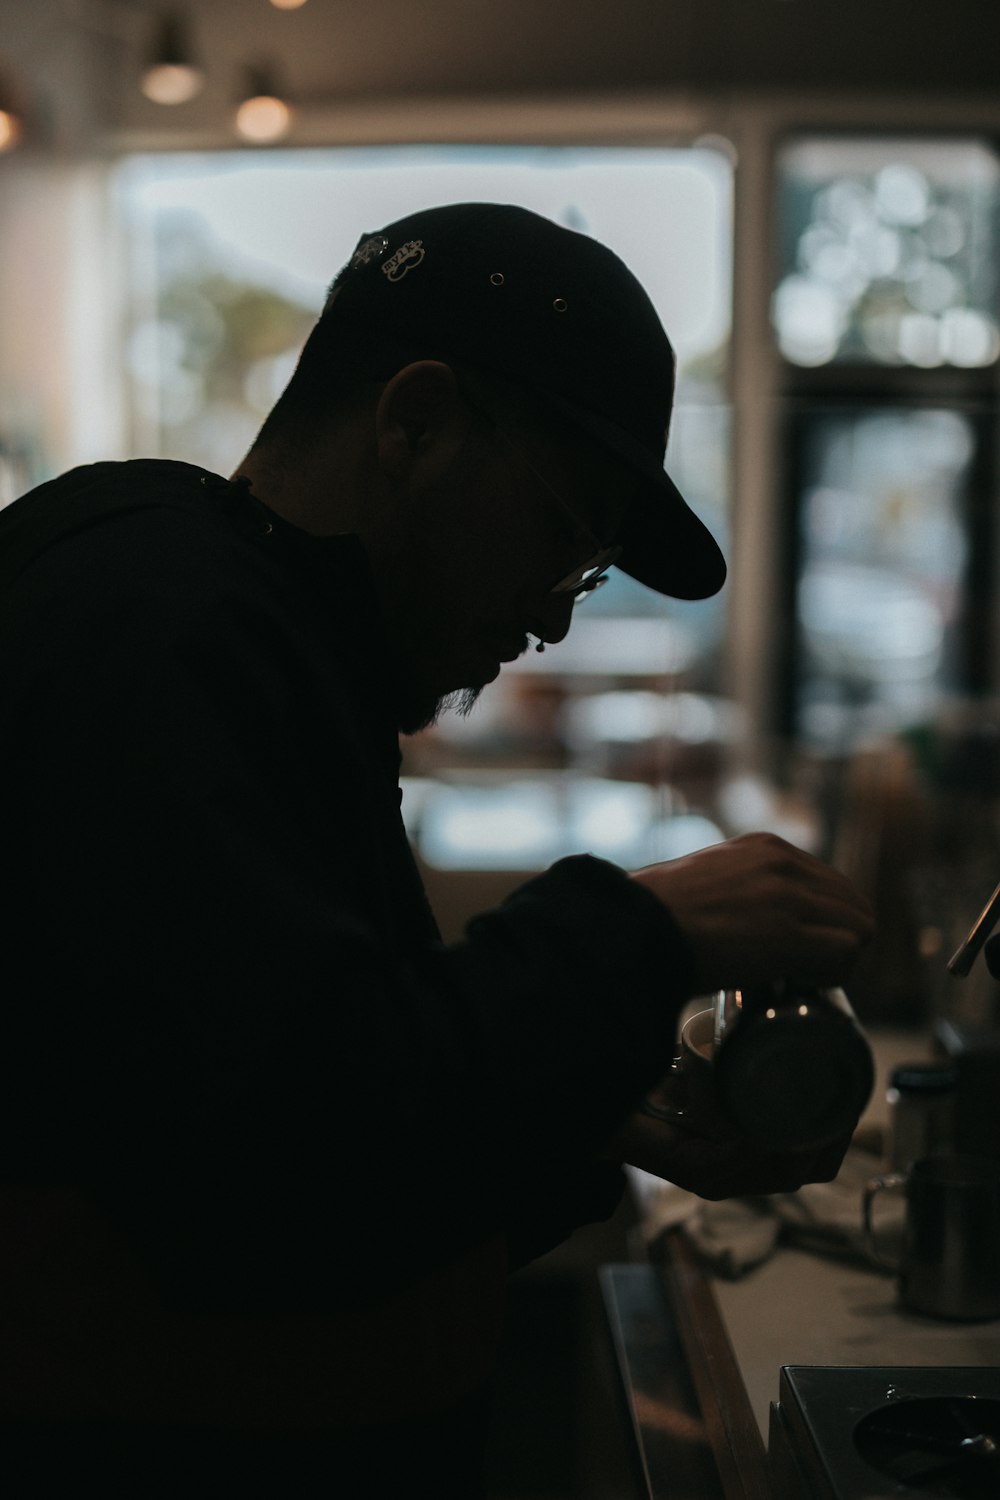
(414, 716)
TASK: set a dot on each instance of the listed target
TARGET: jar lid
(924, 1078)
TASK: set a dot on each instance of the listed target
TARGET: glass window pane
(230, 255)
(887, 252)
(882, 554)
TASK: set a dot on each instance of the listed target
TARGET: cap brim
(665, 545)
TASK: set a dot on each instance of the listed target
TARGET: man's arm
(263, 1052)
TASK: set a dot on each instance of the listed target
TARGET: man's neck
(286, 485)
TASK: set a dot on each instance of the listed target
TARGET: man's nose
(556, 615)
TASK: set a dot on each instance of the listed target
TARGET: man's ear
(420, 420)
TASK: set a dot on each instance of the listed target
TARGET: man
(270, 1147)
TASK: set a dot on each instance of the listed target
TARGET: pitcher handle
(874, 1187)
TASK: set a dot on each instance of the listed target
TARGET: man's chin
(415, 715)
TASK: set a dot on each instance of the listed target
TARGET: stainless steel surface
(854, 1432)
(921, 1098)
(949, 1265)
(673, 1452)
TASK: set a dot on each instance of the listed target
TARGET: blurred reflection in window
(888, 252)
(882, 556)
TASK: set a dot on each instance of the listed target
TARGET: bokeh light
(263, 118)
(10, 130)
(889, 253)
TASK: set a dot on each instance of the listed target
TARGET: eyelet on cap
(560, 304)
(497, 278)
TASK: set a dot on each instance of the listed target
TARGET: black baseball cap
(503, 289)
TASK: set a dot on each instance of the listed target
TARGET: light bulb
(263, 118)
(10, 130)
(171, 75)
(287, 4)
(172, 83)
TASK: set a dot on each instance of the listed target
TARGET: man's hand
(720, 1164)
(682, 1134)
(757, 908)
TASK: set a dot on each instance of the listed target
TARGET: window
(886, 312)
(888, 252)
(229, 257)
(883, 552)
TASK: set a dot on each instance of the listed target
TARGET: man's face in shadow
(477, 549)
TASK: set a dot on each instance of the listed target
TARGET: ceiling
(76, 63)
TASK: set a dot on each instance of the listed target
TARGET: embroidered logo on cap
(405, 258)
(368, 251)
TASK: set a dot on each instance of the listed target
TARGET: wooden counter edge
(729, 1419)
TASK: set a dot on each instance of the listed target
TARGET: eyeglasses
(592, 576)
(589, 576)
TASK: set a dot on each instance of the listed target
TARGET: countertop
(733, 1336)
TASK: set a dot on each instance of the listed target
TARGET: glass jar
(793, 1068)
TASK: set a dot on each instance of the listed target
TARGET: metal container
(922, 1098)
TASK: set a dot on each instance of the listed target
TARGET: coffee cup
(687, 1096)
(949, 1262)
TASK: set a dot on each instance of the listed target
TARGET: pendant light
(171, 75)
(263, 115)
(11, 117)
(10, 130)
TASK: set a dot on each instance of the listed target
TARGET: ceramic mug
(949, 1263)
(687, 1095)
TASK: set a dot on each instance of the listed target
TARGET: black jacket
(235, 1034)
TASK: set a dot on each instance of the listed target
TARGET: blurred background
(810, 191)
